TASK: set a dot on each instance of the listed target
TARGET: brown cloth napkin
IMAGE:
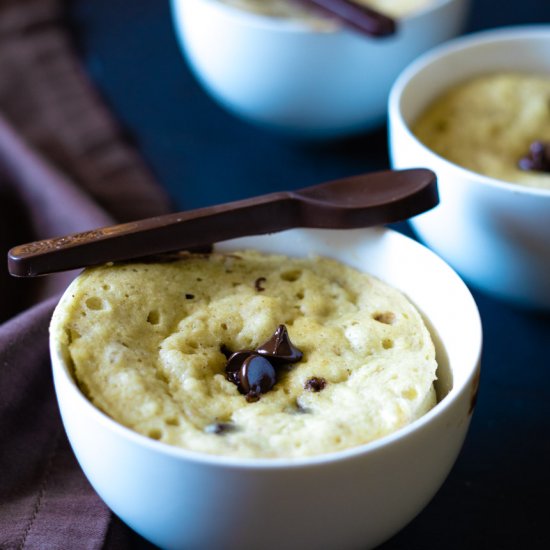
(64, 167)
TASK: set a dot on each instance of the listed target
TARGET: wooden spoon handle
(356, 201)
(156, 235)
(360, 17)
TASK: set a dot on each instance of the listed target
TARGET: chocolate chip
(537, 159)
(257, 375)
(189, 296)
(258, 284)
(219, 428)
(253, 371)
(234, 365)
(279, 349)
(315, 384)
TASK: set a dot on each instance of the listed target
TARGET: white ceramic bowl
(355, 498)
(288, 76)
(495, 234)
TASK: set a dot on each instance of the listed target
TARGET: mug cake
(248, 354)
(495, 124)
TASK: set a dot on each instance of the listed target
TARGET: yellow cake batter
(487, 125)
(148, 344)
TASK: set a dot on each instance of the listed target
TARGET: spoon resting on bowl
(357, 16)
(358, 201)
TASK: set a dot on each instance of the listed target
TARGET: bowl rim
(461, 44)
(281, 24)
(62, 375)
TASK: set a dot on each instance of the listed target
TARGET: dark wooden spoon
(362, 18)
(357, 201)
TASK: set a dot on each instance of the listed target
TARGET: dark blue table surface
(498, 494)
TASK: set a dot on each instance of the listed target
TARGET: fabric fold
(66, 166)
(46, 501)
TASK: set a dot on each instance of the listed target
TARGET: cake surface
(487, 124)
(148, 344)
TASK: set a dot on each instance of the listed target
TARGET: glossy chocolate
(279, 349)
(234, 365)
(254, 371)
(257, 375)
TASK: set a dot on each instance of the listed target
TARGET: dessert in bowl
(476, 112)
(266, 493)
(290, 69)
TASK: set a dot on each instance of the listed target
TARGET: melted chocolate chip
(234, 365)
(537, 159)
(257, 375)
(315, 384)
(279, 349)
(258, 284)
(253, 371)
